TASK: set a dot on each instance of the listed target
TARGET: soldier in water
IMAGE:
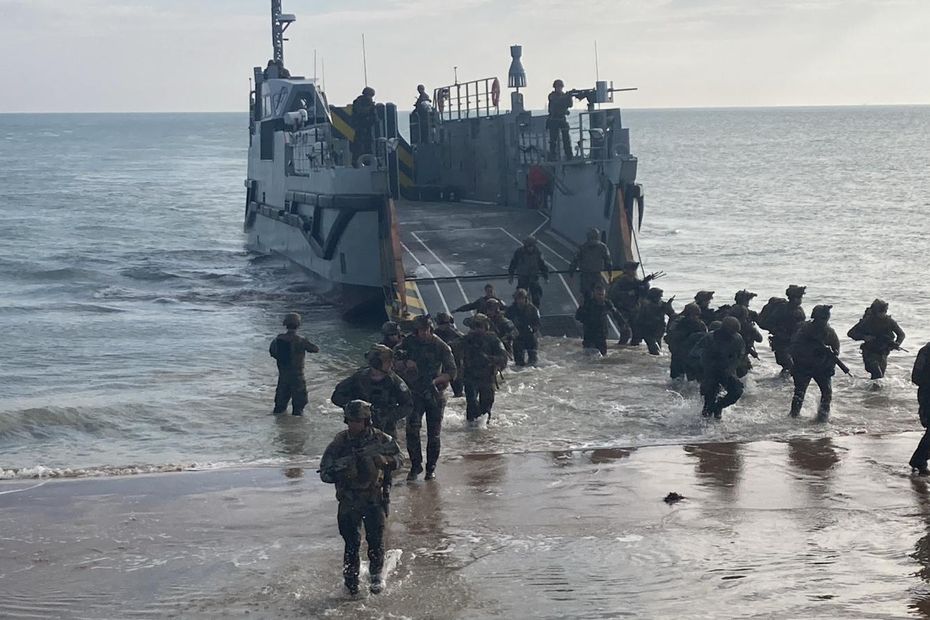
(593, 315)
(720, 361)
(356, 461)
(288, 350)
(446, 329)
(814, 350)
(429, 368)
(880, 334)
(681, 336)
(649, 320)
(782, 318)
(528, 265)
(592, 258)
(483, 356)
(525, 318)
(920, 376)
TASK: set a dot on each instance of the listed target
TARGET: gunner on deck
(557, 123)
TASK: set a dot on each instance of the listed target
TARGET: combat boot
(377, 584)
(919, 469)
(430, 474)
(415, 470)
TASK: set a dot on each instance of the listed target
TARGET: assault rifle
(836, 358)
(344, 462)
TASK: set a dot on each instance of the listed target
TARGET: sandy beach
(827, 528)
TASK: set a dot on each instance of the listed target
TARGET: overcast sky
(196, 55)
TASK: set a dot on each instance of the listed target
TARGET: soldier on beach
(814, 350)
(880, 334)
(387, 393)
(356, 461)
(289, 350)
(720, 361)
(483, 356)
(920, 376)
(681, 336)
(592, 258)
(782, 318)
(528, 265)
(429, 368)
(649, 320)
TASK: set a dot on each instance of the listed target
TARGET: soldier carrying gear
(625, 293)
(592, 258)
(782, 318)
(483, 356)
(593, 315)
(649, 320)
(525, 318)
(481, 304)
(356, 461)
(528, 265)
(429, 368)
(445, 329)
(502, 327)
(682, 334)
(750, 335)
(814, 350)
(557, 123)
(920, 376)
(289, 350)
(703, 299)
(720, 361)
(880, 334)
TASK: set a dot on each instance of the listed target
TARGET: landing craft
(419, 227)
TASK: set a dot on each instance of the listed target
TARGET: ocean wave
(41, 472)
(148, 274)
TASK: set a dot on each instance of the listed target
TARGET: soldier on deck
(649, 320)
(593, 314)
(288, 350)
(557, 123)
(363, 122)
(429, 368)
(679, 338)
(356, 461)
(880, 334)
(387, 393)
(592, 258)
(446, 329)
(422, 97)
(720, 361)
(483, 356)
(814, 349)
(480, 305)
(528, 265)
(525, 318)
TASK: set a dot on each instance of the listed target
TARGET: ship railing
(600, 135)
(475, 99)
(309, 148)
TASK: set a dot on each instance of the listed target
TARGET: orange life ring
(495, 92)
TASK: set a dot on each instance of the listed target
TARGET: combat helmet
(794, 290)
(594, 234)
(521, 293)
(390, 328)
(630, 265)
(730, 325)
(529, 242)
(821, 312)
(703, 296)
(493, 304)
(357, 410)
(480, 321)
(654, 294)
(744, 295)
(423, 321)
(380, 357)
(879, 305)
(444, 318)
(291, 320)
(368, 91)
(692, 309)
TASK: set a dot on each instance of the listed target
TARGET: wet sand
(827, 528)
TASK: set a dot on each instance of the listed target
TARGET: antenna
(364, 60)
(323, 74)
(455, 73)
(314, 65)
(597, 71)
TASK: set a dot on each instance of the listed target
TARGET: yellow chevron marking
(343, 128)
(405, 181)
(405, 156)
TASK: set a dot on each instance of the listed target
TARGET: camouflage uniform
(881, 335)
(785, 320)
(359, 491)
(525, 319)
(288, 350)
(592, 258)
(390, 398)
(480, 305)
(446, 330)
(592, 314)
(720, 361)
(680, 338)
(432, 358)
(483, 355)
(528, 265)
(812, 359)
(649, 320)
(502, 327)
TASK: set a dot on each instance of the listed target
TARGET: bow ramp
(451, 250)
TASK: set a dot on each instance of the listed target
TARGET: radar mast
(279, 23)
